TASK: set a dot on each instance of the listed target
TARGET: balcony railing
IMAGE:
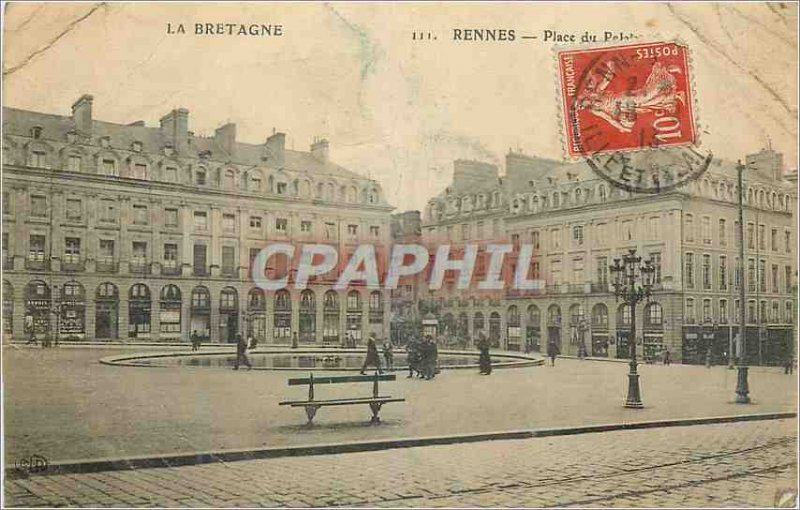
(200, 271)
(602, 287)
(140, 267)
(37, 264)
(73, 266)
(106, 266)
(170, 268)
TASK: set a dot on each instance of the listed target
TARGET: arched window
(139, 308)
(600, 316)
(170, 293)
(106, 291)
(201, 298)
(654, 315)
(307, 300)
(575, 314)
(283, 300)
(139, 291)
(330, 318)
(554, 315)
(170, 313)
(282, 316)
(624, 315)
(477, 323)
(308, 316)
(255, 181)
(255, 300)
(353, 300)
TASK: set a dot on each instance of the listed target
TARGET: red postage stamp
(626, 98)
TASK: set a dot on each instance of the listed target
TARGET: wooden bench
(311, 405)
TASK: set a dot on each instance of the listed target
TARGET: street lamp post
(742, 389)
(623, 277)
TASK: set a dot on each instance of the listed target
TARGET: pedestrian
(241, 353)
(552, 352)
(484, 359)
(388, 355)
(29, 330)
(412, 354)
(372, 358)
(788, 365)
(294, 340)
(195, 338)
(667, 357)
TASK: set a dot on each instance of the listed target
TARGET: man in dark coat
(552, 352)
(241, 353)
(484, 360)
(372, 358)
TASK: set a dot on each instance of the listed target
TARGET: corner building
(130, 232)
(578, 223)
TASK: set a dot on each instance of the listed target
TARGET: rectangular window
(6, 202)
(255, 223)
(737, 274)
(762, 312)
(37, 159)
(577, 235)
(171, 174)
(555, 239)
(762, 275)
(281, 225)
(139, 171)
(706, 310)
(627, 230)
(228, 259)
(751, 275)
(36, 249)
(464, 231)
(723, 311)
(762, 237)
(776, 312)
(72, 250)
(690, 316)
(106, 251)
(38, 206)
(602, 271)
(706, 271)
(655, 227)
(74, 163)
(774, 240)
(73, 209)
(479, 230)
(305, 226)
(352, 230)
(229, 223)
(375, 231)
(281, 188)
(108, 211)
(751, 236)
(787, 241)
(171, 255)
(688, 226)
(170, 217)
(140, 215)
(555, 272)
(689, 264)
(723, 272)
(656, 258)
(534, 239)
(330, 231)
(775, 284)
(706, 228)
(577, 271)
(109, 167)
(723, 238)
(139, 255)
(787, 275)
(200, 220)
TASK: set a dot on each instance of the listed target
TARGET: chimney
(82, 114)
(225, 137)
(319, 149)
(275, 146)
(175, 125)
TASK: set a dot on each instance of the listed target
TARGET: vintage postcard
(399, 254)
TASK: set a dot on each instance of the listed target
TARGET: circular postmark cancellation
(628, 111)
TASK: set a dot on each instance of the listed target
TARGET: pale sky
(394, 109)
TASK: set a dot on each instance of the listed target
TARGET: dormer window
(281, 188)
(105, 141)
(205, 154)
(136, 146)
(71, 137)
(36, 132)
(74, 163)
(200, 177)
(169, 150)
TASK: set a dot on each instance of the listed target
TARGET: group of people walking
(423, 358)
(373, 358)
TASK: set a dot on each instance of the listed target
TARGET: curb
(189, 459)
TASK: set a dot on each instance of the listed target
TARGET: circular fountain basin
(338, 360)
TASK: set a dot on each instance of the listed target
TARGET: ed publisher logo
(786, 498)
(32, 464)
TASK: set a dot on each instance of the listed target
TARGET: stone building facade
(131, 232)
(578, 223)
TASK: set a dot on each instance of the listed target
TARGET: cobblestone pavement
(736, 464)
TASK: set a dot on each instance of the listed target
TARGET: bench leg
(311, 411)
(376, 408)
